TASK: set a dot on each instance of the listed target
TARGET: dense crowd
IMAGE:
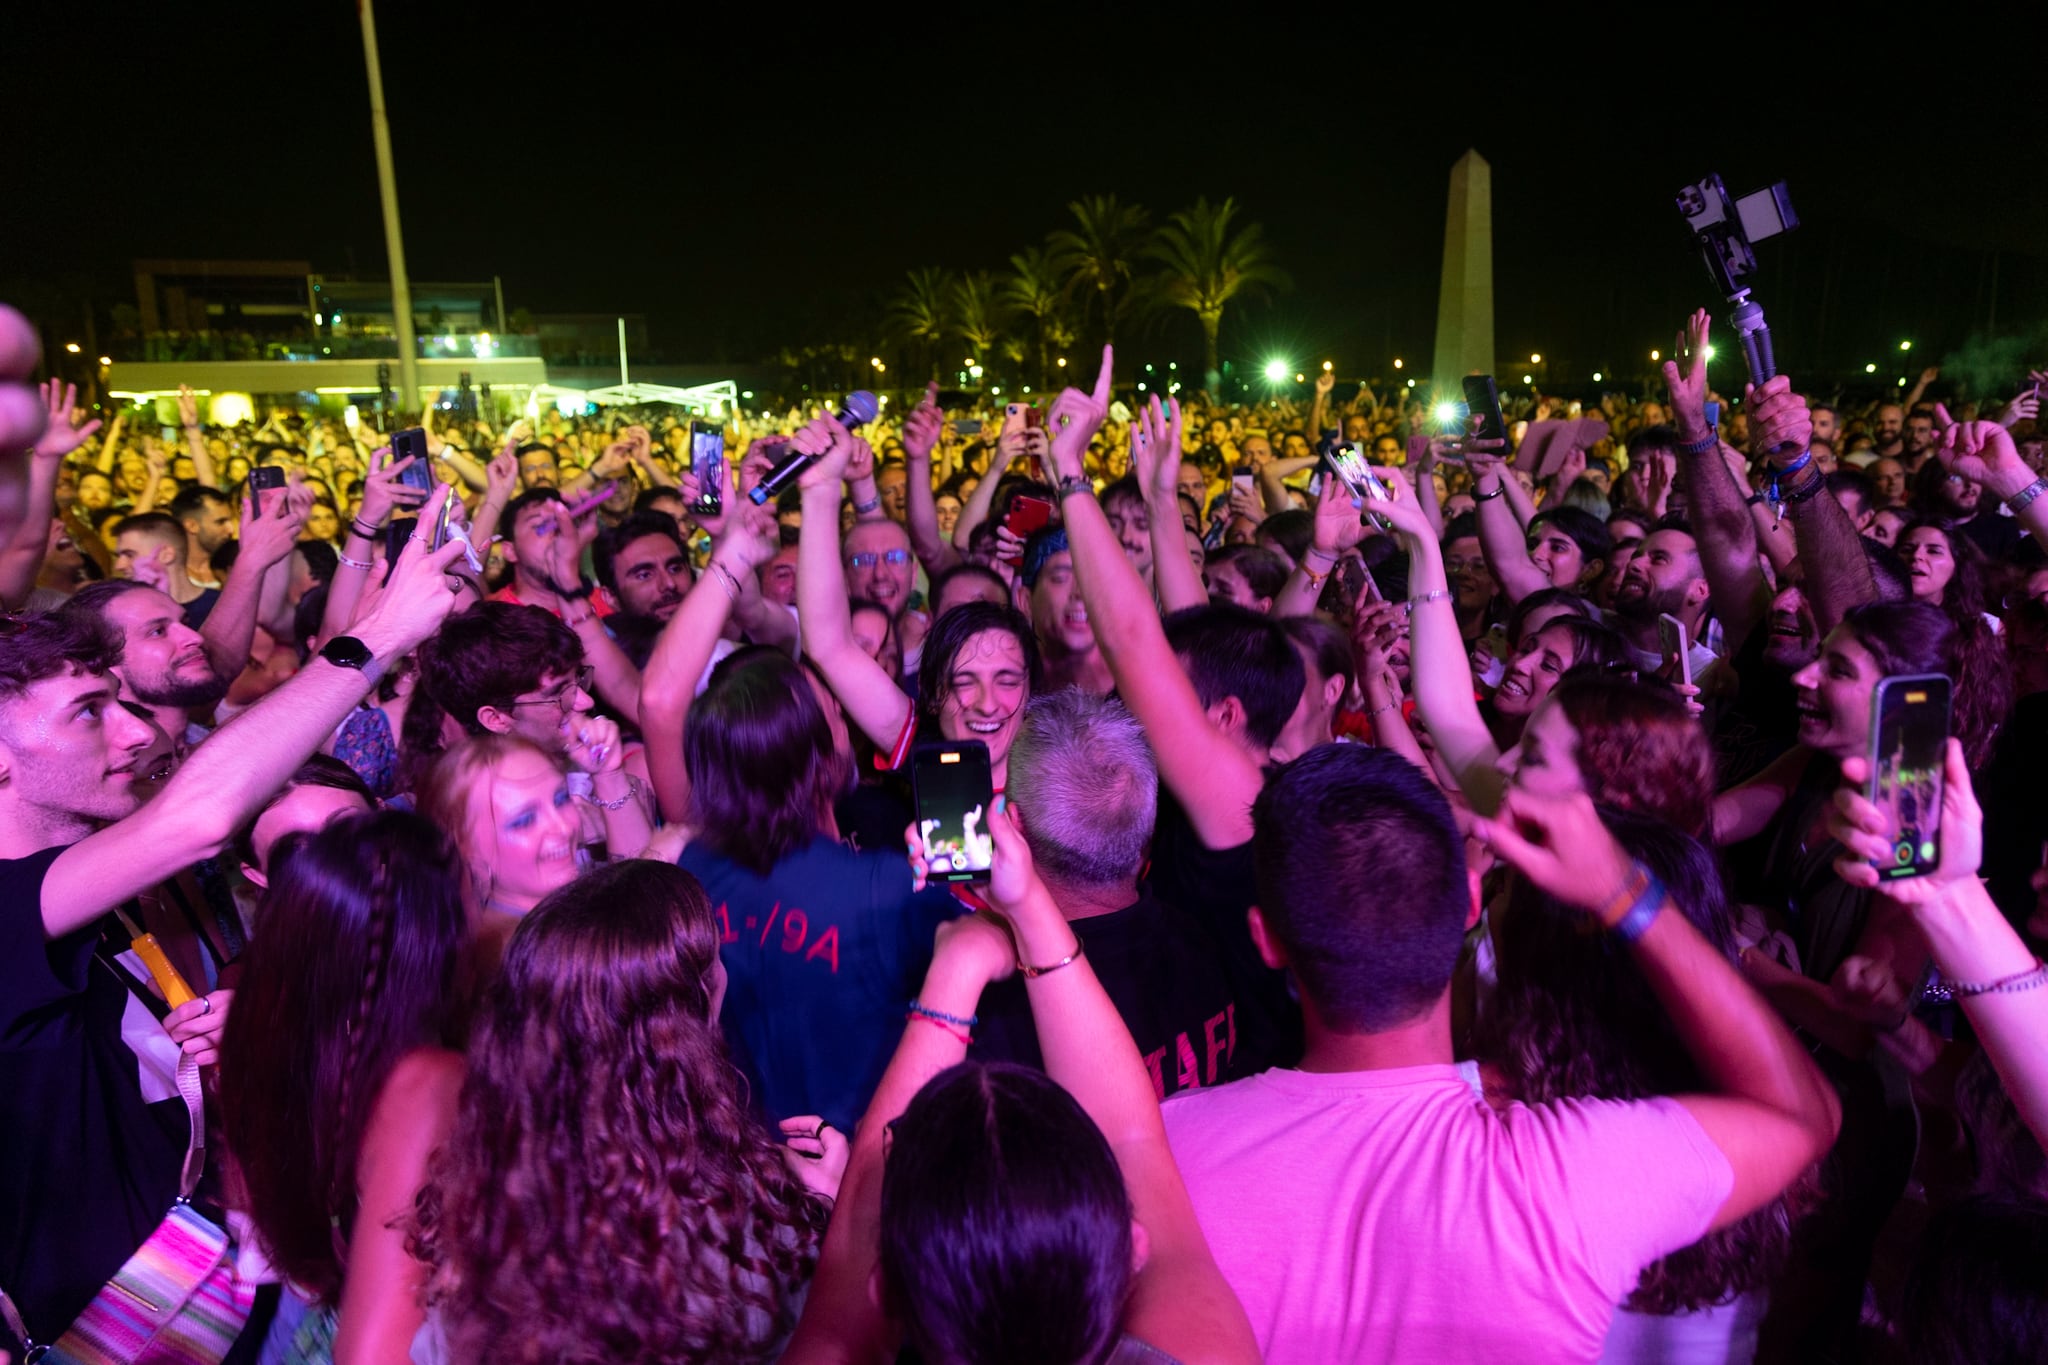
(1445, 925)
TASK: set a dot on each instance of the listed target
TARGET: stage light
(1596, 376)
(1905, 345)
(1870, 369)
(1328, 367)
(1536, 359)
(1446, 414)
(1277, 370)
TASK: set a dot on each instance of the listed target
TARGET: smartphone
(1027, 514)
(707, 462)
(1482, 400)
(440, 536)
(1671, 639)
(953, 793)
(1348, 463)
(1021, 417)
(264, 476)
(1908, 751)
(1341, 594)
(967, 428)
(1243, 481)
(420, 473)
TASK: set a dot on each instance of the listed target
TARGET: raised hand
(860, 463)
(1560, 844)
(384, 491)
(1339, 524)
(830, 445)
(501, 475)
(2024, 407)
(420, 592)
(1863, 829)
(594, 745)
(816, 1154)
(613, 462)
(1688, 382)
(271, 527)
(922, 428)
(1984, 452)
(59, 436)
(1779, 420)
(1325, 382)
(1155, 450)
(1074, 419)
(188, 407)
(748, 538)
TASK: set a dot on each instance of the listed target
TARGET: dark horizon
(719, 190)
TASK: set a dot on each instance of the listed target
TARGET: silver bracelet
(2027, 494)
(2036, 975)
(632, 790)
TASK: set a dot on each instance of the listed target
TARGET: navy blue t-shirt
(821, 956)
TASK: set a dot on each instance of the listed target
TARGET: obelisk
(1464, 308)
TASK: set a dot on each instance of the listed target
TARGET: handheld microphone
(860, 409)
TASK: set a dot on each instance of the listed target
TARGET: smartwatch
(346, 651)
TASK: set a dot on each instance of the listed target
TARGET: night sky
(763, 179)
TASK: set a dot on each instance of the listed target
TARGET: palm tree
(1102, 252)
(979, 312)
(1035, 289)
(1206, 265)
(921, 314)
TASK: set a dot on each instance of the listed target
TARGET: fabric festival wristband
(362, 564)
(1710, 441)
(1617, 907)
(863, 508)
(919, 1007)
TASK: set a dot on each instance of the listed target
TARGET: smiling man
(1047, 593)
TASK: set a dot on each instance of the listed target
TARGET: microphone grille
(861, 404)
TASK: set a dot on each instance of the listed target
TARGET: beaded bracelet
(1708, 442)
(1433, 595)
(362, 564)
(919, 1007)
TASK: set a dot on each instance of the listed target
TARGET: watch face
(347, 652)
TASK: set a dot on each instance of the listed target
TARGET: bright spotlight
(1278, 370)
(1446, 414)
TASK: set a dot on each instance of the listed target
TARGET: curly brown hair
(605, 1195)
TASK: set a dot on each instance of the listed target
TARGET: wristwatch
(346, 651)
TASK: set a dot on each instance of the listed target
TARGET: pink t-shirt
(1393, 1216)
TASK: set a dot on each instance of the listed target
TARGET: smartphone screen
(1347, 462)
(953, 790)
(420, 473)
(967, 428)
(707, 462)
(1483, 401)
(1908, 749)
(1671, 640)
(1242, 481)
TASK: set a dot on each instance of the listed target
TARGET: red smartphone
(1028, 514)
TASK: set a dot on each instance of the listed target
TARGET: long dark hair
(1006, 1227)
(763, 769)
(605, 1194)
(1572, 1018)
(1639, 749)
(361, 960)
(950, 633)
(1916, 637)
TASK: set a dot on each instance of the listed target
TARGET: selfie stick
(1749, 324)
(860, 409)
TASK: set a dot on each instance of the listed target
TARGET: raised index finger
(1103, 376)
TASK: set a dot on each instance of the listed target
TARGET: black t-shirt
(2015, 816)
(1217, 887)
(199, 608)
(1165, 975)
(821, 956)
(88, 1168)
(1996, 534)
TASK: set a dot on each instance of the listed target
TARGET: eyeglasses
(564, 697)
(867, 559)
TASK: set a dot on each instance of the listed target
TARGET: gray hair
(1083, 777)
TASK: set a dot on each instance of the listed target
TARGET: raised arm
(1769, 1110)
(1973, 944)
(382, 492)
(1006, 449)
(872, 699)
(229, 776)
(1339, 526)
(23, 545)
(920, 433)
(1214, 779)
(269, 531)
(1838, 575)
(1180, 1303)
(1720, 514)
(1155, 458)
(195, 438)
(1502, 533)
(1984, 451)
(1439, 674)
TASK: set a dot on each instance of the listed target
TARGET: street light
(1870, 369)
(106, 360)
(1905, 345)
(71, 346)
(1397, 363)
(1596, 376)
(1535, 359)
(1328, 367)
(1062, 362)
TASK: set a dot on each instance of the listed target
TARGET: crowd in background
(1443, 926)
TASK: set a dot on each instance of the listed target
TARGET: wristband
(918, 1007)
(1075, 483)
(1647, 906)
(363, 528)
(863, 508)
(1754, 500)
(2027, 494)
(1710, 441)
(1618, 905)
(1806, 491)
(1804, 458)
(726, 580)
(1498, 489)
(1433, 595)
(363, 564)
(1029, 972)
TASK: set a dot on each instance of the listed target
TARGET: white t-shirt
(1392, 1215)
